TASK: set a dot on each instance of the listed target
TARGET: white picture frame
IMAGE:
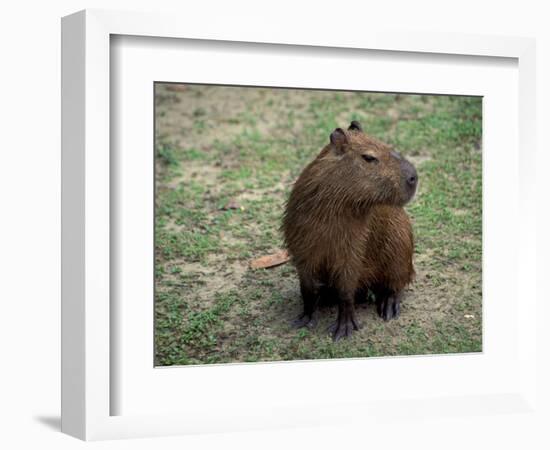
(88, 386)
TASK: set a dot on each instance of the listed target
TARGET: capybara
(346, 230)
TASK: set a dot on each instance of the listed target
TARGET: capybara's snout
(410, 177)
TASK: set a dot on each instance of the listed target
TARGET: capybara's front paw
(343, 327)
(304, 320)
(389, 307)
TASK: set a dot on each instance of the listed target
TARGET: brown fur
(346, 229)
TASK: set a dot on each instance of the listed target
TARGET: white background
(30, 187)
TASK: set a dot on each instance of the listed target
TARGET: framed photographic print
(266, 229)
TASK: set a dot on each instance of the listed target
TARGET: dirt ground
(226, 158)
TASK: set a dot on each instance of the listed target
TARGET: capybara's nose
(409, 174)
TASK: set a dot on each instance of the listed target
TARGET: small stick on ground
(273, 260)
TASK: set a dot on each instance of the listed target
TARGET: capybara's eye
(369, 158)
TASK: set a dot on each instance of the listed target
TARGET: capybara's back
(346, 230)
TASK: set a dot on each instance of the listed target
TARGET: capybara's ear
(354, 125)
(339, 139)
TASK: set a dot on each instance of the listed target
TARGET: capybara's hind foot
(343, 328)
(389, 307)
(304, 320)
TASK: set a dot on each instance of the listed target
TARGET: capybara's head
(374, 172)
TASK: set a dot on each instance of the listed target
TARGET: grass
(225, 161)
